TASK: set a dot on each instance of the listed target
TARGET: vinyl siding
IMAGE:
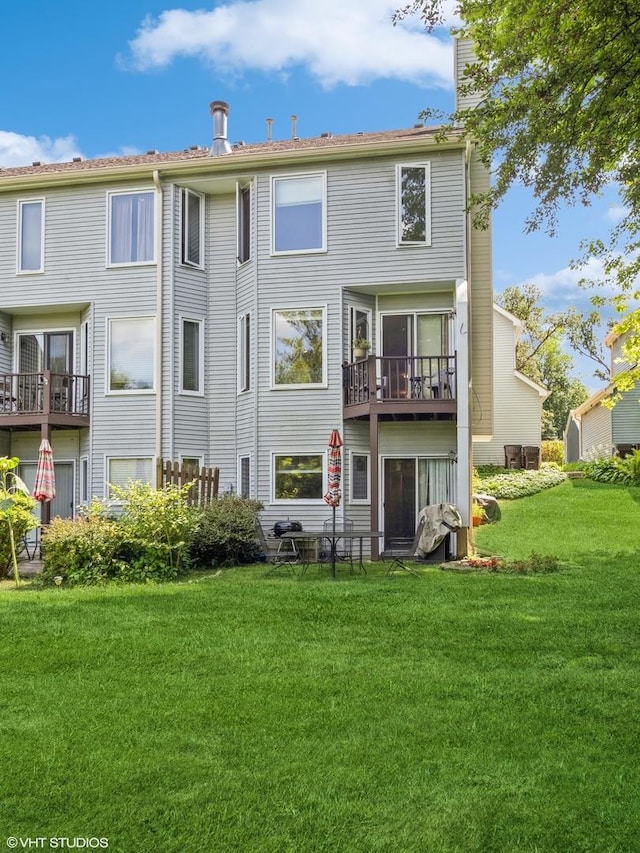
(595, 429)
(625, 418)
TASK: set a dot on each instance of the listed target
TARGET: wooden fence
(205, 480)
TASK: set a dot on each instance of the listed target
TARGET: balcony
(30, 400)
(401, 388)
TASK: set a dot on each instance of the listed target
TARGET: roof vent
(269, 129)
(77, 159)
(294, 127)
(220, 145)
(326, 135)
(152, 151)
(36, 163)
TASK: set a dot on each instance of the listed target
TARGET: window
(299, 213)
(244, 352)
(360, 477)
(45, 351)
(124, 470)
(30, 235)
(131, 228)
(414, 205)
(84, 479)
(298, 478)
(191, 371)
(298, 347)
(192, 228)
(244, 476)
(244, 222)
(131, 365)
(360, 326)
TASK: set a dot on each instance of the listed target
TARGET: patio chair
(344, 545)
(401, 551)
(279, 552)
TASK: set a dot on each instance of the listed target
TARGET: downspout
(159, 307)
(465, 436)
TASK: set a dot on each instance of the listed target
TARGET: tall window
(192, 357)
(360, 326)
(45, 351)
(359, 477)
(244, 223)
(298, 347)
(30, 235)
(244, 352)
(414, 204)
(244, 479)
(299, 213)
(131, 342)
(131, 228)
(123, 470)
(192, 228)
(298, 477)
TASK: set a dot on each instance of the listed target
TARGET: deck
(31, 400)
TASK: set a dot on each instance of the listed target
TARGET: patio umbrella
(44, 488)
(333, 494)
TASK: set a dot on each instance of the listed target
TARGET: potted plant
(360, 347)
(478, 513)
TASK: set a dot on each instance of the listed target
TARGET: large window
(414, 204)
(244, 222)
(192, 228)
(45, 351)
(131, 342)
(244, 352)
(131, 228)
(298, 477)
(298, 347)
(192, 357)
(299, 213)
(121, 471)
(31, 235)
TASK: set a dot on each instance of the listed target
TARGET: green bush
(608, 470)
(147, 540)
(226, 533)
(552, 451)
(20, 510)
(520, 483)
(630, 465)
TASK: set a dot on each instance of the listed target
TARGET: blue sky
(105, 79)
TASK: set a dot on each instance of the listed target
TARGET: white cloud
(616, 212)
(18, 150)
(563, 285)
(338, 41)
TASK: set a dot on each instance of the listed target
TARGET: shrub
(20, 511)
(552, 451)
(608, 470)
(630, 465)
(226, 533)
(521, 483)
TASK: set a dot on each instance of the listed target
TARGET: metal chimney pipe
(294, 132)
(269, 128)
(220, 145)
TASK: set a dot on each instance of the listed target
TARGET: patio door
(409, 485)
(63, 503)
(45, 351)
(397, 343)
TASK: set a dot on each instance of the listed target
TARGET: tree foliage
(559, 82)
(539, 354)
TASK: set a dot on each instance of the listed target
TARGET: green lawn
(455, 712)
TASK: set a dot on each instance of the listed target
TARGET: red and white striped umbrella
(334, 470)
(44, 488)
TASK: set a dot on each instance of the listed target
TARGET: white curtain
(132, 228)
(435, 482)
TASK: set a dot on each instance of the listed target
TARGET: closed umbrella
(44, 488)
(333, 495)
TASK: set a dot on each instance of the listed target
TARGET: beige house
(517, 413)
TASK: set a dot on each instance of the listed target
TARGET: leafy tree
(539, 355)
(559, 113)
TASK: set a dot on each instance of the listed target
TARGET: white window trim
(184, 193)
(133, 191)
(55, 330)
(108, 459)
(302, 501)
(298, 386)
(85, 488)
(426, 165)
(21, 203)
(244, 358)
(294, 176)
(352, 325)
(199, 320)
(359, 501)
(242, 456)
(240, 186)
(132, 391)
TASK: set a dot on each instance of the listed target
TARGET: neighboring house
(517, 400)
(593, 428)
(201, 305)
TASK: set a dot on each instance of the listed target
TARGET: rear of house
(202, 306)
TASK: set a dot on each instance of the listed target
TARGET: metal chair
(280, 552)
(400, 554)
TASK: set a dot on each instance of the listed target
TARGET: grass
(457, 712)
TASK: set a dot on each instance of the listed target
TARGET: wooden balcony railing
(401, 383)
(34, 398)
